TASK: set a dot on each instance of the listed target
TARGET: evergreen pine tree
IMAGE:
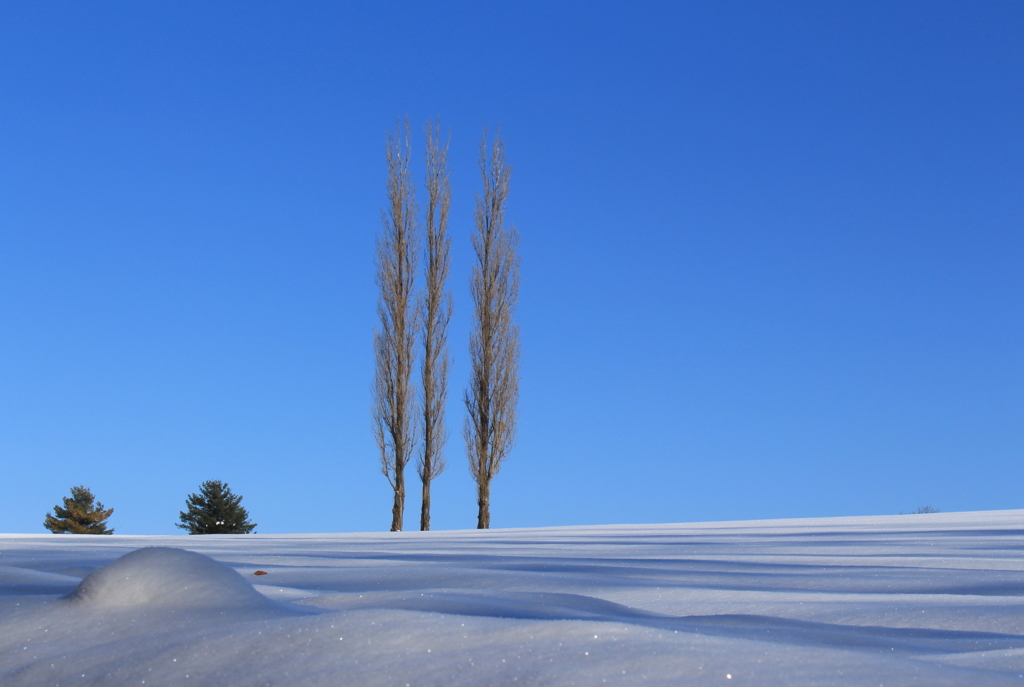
(79, 515)
(215, 510)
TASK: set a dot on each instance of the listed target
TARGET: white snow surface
(933, 599)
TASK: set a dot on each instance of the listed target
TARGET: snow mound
(161, 577)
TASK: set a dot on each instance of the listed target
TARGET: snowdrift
(163, 577)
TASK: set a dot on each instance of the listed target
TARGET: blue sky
(772, 255)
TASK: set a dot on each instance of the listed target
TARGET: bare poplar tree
(436, 311)
(493, 394)
(393, 343)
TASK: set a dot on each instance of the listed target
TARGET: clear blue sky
(772, 254)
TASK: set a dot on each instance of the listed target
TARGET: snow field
(901, 600)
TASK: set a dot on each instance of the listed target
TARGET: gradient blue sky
(772, 254)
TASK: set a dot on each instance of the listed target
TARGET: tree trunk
(399, 507)
(425, 508)
(483, 501)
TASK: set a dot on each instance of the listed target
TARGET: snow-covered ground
(897, 600)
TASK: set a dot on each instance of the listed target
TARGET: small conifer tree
(215, 510)
(81, 514)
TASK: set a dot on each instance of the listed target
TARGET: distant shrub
(925, 509)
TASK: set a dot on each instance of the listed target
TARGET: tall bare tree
(493, 394)
(394, 399)
(436, 311)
